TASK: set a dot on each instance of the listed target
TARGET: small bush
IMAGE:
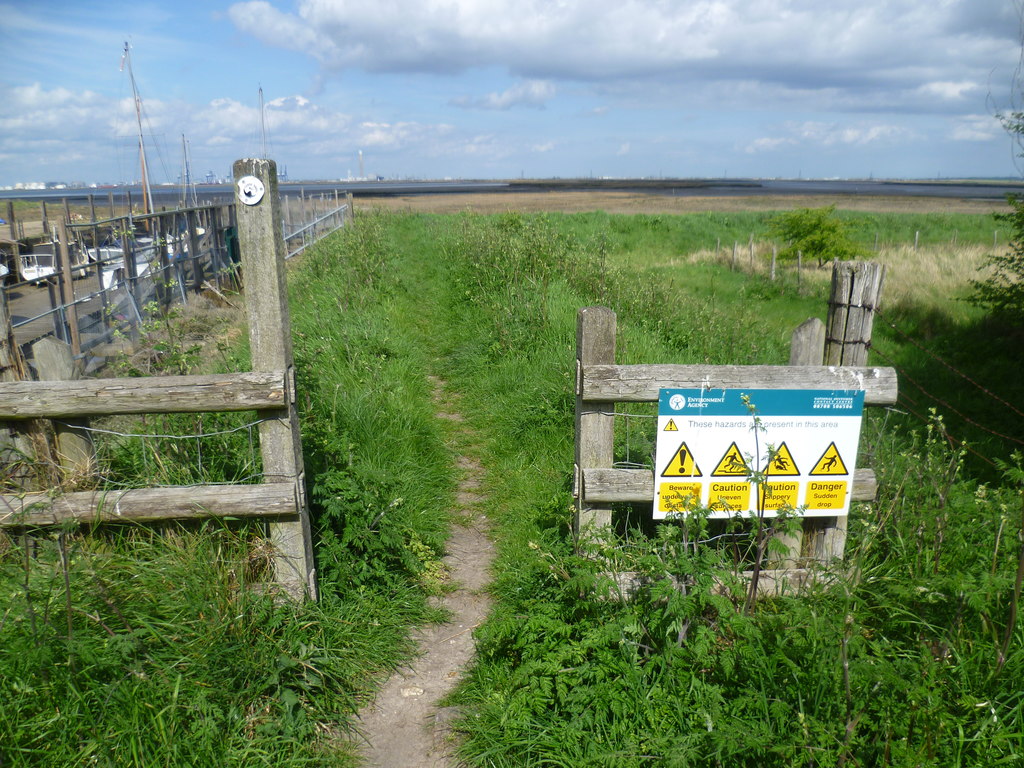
(816, 233)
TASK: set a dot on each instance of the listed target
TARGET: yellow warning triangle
(671, 426)
(830, 463)
(732, 464)
(682, 464)
(782, 464)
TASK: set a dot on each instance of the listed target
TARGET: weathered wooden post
(193, 250)
(62, 252)
(54, 361)
(856, 292)
(23, 448)
(10, 220)
(856, 289)
(806, 348)
(270, 338)
(595, 437)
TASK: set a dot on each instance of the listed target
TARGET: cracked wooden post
(856, 292)
(595, 437)
(266, 297)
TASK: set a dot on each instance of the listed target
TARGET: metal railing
(315, 230)
(109, 277)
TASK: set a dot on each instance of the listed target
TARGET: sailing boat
(111, 256)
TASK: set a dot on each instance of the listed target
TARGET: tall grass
(899, 661)
(127, 645)
(150, 648)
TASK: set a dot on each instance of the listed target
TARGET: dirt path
(404, 728)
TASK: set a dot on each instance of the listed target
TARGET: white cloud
(530, 93)
(767, 145)
(976, 128)
(952, 91)
(821, 134)
(945, 47)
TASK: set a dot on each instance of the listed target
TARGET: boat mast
(188, 189)
(147, 193)
(263, 128)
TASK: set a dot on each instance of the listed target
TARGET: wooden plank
(609, 486)
(595, 427)
(807, 344)
(640, 383)
(149, 504)
(154, 394)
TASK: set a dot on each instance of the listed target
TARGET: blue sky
(510, 88)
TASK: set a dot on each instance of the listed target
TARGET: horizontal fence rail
(149, 504)
(245, 391)
(641, 383)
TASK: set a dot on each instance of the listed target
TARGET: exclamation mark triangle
(682, 464)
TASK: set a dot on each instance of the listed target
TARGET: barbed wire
(144, 435)
(948, 365)
(925, 420)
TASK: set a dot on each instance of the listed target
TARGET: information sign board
(714, 444)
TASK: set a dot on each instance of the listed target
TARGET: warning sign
(682, 464)
(732, 464)
(830, 463)
(826, 494)
(767, 449)
(679, 497)
(729, 497)
(781, 495)
(781, 463)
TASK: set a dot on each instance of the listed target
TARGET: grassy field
(140, 648)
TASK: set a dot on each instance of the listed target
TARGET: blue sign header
(761, 402)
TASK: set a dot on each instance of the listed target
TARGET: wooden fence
(268, 388)
(601, 384)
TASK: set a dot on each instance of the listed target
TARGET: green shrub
(1002, 292)
(817, 233)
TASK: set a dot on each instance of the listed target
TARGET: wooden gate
(269, 389)
(601, 384)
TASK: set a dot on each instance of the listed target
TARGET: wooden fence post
(263, 254)
(856, 288)
(62, 252)
(856, 291)
(23, 447)
(806, 348)
(54, 361)
(595, 436)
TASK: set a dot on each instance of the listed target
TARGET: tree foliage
(815, 232)
(1002, 292)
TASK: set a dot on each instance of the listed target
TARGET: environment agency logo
(677, 402)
